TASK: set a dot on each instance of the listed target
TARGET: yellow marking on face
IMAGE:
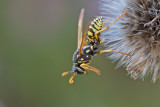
(87, 56)
(87, 51)
(82, 59)
(92, 47)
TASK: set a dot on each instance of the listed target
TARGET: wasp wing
(80, 27)
(83, 38)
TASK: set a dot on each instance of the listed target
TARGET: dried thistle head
(138, 33)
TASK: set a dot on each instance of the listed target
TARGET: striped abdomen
(95, 26)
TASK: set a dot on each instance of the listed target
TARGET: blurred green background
(37, 41)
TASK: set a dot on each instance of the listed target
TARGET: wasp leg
(85, 43)
(111, 23)
(105, 21)
(71, 78)
(96, 37)
(102, 51)
(65, 73)
(87, 67)
(99, 41)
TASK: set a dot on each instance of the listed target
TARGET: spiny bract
(138, 33)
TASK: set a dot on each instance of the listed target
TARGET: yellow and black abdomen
(95, 26)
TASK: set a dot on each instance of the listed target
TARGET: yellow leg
(96, 37)
(85, 43)
(65, 73)
(99, 41)
(111, 23)
(71, 78)
(102, 51)
(87, 67)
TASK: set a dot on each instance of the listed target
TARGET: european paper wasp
(84, 53)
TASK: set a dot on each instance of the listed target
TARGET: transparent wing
(80, 27)
(83, 38)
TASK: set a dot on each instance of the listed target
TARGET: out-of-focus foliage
(37, 41)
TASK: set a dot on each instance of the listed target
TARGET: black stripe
(91, 30)
(94, 26)
(96, 23)
(91, 37)
(99, 21)
(99, 18)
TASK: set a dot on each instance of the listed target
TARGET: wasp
(84, 53)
